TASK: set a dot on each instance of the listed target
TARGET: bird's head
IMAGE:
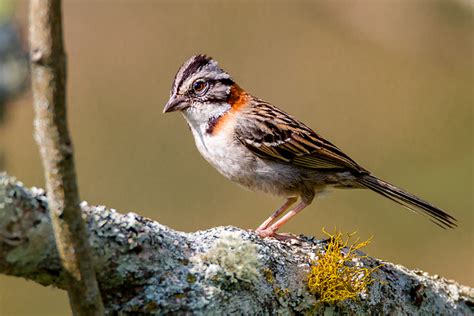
(200, 88)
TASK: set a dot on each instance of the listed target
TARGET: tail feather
(410, 201)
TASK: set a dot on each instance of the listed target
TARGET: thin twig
(48, 65)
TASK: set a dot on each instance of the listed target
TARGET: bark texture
(145, 267)
(48, 72)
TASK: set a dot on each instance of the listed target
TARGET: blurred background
(389, 82)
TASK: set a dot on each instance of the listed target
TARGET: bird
(261, 147)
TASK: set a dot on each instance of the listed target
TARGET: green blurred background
(390, 82)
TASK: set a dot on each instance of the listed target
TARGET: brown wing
(273, 134)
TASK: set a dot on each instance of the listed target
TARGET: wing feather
(273, 134)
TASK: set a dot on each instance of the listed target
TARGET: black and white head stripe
(199, 66)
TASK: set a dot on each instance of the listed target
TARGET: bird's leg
(270, 231)
(289, 202)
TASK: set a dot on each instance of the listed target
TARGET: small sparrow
(263, 148)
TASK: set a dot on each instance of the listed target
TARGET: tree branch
(146, 267)
(48, 65)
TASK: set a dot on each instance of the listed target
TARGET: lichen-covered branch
(48, 75)
(145, 267)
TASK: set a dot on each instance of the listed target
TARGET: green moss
(191, 278)
(151, 307)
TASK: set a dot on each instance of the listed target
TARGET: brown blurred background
(390, 82)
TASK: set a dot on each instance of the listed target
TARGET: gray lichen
(145, 267)
(230, 259)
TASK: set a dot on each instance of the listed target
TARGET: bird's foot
(269, 232)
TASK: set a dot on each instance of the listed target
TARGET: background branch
(146, 267)
(48, 65)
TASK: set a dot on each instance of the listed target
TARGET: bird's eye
(200, 86)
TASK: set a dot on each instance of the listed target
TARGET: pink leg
(290, 201)
(270, 231)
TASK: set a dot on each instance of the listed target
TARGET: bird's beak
(175, 103)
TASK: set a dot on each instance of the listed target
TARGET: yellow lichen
(282, 292)
(268, 273)
(338, 273)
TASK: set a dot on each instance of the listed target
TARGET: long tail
(410, 201)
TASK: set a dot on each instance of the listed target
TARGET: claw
(263, 233)
(269, 233)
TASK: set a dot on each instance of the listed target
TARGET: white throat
(199, 117)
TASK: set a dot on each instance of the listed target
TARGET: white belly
(236, 163)
(228, 158)
(233, 160)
